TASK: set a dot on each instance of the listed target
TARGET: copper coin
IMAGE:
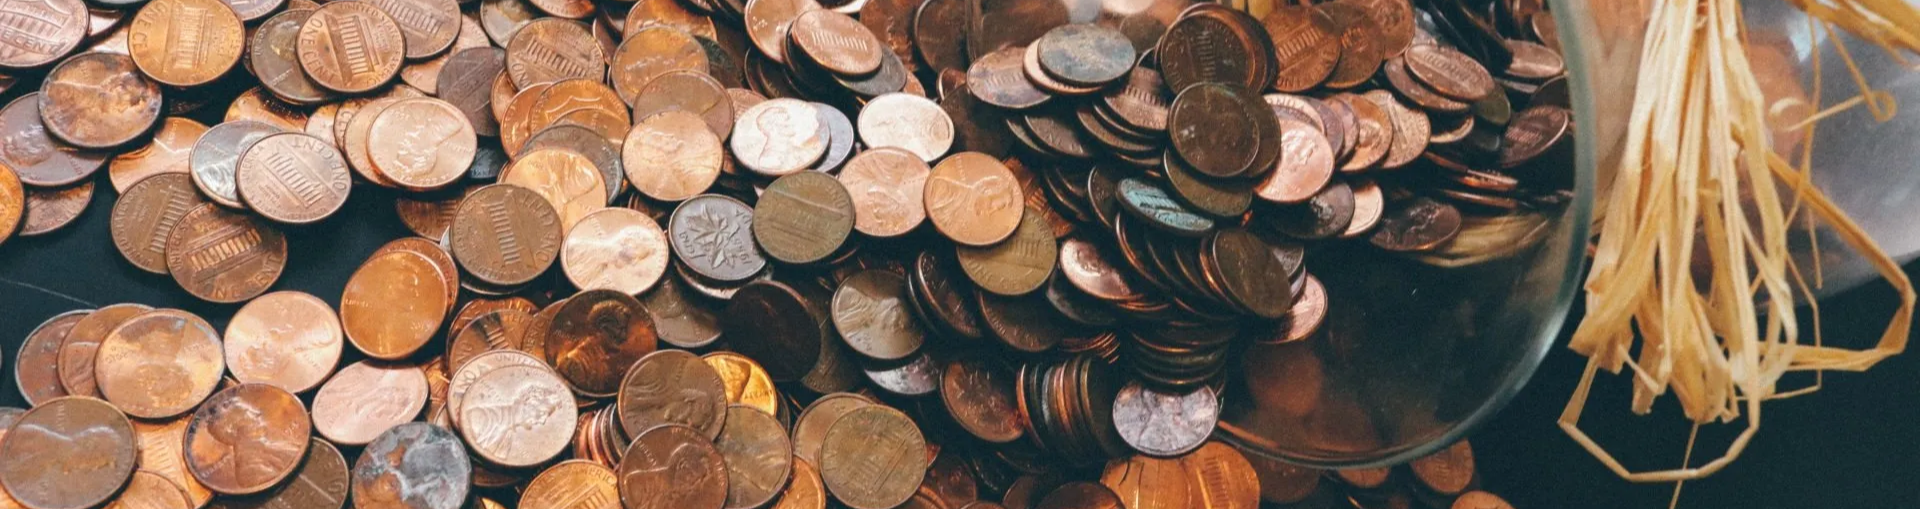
(1374, 128)
(873, 458)
(870, 310)
(253, 10)
(1403, 82)
(596, 337)
(393, 304)
(160, 445)
(225, 257)
(568, 181)
(518, 416)
(1084, 54)
(293, 178)
(49, 210)
(672, 387)
(673, 467)
(590, 144)
(505, 234)
(288, 339)
(617, 249)
(1532, 133)
(71, 452)
(1164, 424)
(1307, 41)
(1411, 129)
(74, 101)
(184, 43)
(837, 42)
(351, 47)
(891, 23)
(917, 376)
(1146, 482)
(650, 52)
(42, 33)
(888, 188)
(366, 398)
(159, 364)
(427, 27)
(499, 329)
(412, 466)
(1534, 61)
(688, 91)
(573, 484)
(1480, 499)
(1362, 51)
(430, 216)
(973, 199)
(36, 367)
(466, 375)
(1365, 478)
(468, 77)
(1418, 224)
(501, 19)
(573, 96)
(1088, 269)
(35, 158)
(713, 236)
(1017, 266)
(272, 55)
(1083, 495)
(682, 321)
(1450, 72)
(13, 203)
(1229, 479)
(758, 454)
(78, 350)
(1447, 472)
(779, 137)
(768, 23)
(247, 438)
(438, 256)
(1142, 103)
(476, 308)
(319, 483)
(674, 14)
(1309, 311)
(259, 105)
(1196, 113)
(215, 159)
(1000, 79)
(359, 136)
(1304, 170)
(979, 394)
(911, 123)
(805, 491)
(1210, 46)
(803, 218)
(551, 50)
(422, 144)
(425, 74)
(166, 153)
(810, 430)
(746, 382)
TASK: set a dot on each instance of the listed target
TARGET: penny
(357, 137)
(293, 178)
(1403, 82)
(1532, 133)
(1361, 50)
(775, 323)
(366, 398)
(1017, 266)
(689, 91)
(1159, 210)
(836, 42)
(165, 153)
(422, 144)
(1085, 54)
(1251, 277)
(805, 491)
(758, 454)
(49, 210)
(431, 215)
(463, 75)
(1480, 499)
(501, 19)
(159, 364)
(36, 367)
(681, 321)
(573, 484)
(321, 482)
(352, 47)
(873, 458)
(77, 351)
(839, 133)
(745, 381)
(246, 439)
(45, 32)
(288, 339)
(1210, 152)
(567, 180)
(712, 235)
(393, 304)
(1364, 478)
(1309, 311)
(1449, 129)
(973, 199)
(917, 376)
(651, 52)
(803, 218)
(501, 328)
(1163, 424)
(161, 454)
(518, 416)
(1418, 224)
(1450, 72)
(1142, 103)
(1081, 495)
(1411, 129)
(1533, 60)
(1374, 130)
(427, 27)
(887, 186)
(573, 96)
(215, 158)
(551, 50)
(1224, 199)
(1447, 472)
(1146, 482)
(1087, 268)
(870, 312)
(1021, 323)
(1325, 215)
(412, 466)
(778, 137)
(596, 337)
(34, 157)
(907, 122)
(258, 104)
(70, 452)
(425, 74)
(646, 14)
(999, 78)
(1211, 46)
(437, 256)
(1225, 478)
(185, 43)
(672, 387)
(768, 23)
(73, 101)
(13, 203)
(604, 155)
(617, 249)
(673, 467)
(810, 430)
(1307, 41)
(273, 56)
(979, 394)
(224, 257)
(466, 375)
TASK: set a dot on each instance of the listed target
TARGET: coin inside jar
(505, 234)
(247, 438)
(367, 398)
(159, 364)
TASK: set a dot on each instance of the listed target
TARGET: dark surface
(1851, 445)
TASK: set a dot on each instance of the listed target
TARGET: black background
(1851, 445)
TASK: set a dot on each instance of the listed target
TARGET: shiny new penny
(979, 394)
(873, 458)
(518, 416)
(225, 257)
(43, 32)
(779, 137)
(888, 187)
(166, 153)
(427, 27)
(551, 50)
(745, 381)
(837, 42)
(393, 304)
(422, 144)
(758, 454)
(617, 249)
(78, 350)
(288, 339)
(803, 218)
(672, 387)
(999, 78)
(159, 364)
(505, 234)
(768, 23)
(293, 178)
(572, 96)
(805, 490)
(568, 181)
(98, 100)
(465, 77)
(215, 159)
(713, 236)
(596, 337)
(870, 310)
(1017, 266)
(1165, 424)
(146, 215)
(573, 484)
(161, 453)
(35, 157)
(436, 254)
(973, 199)
(1227, 479)
(351, 47)
(1305, 166)
(651, 52)
(412, 466)
(36, 367)
(49, 210)
(1146, 482)
(71, 452)
(247, 438)
(672, 156)
(672, 467)
(274, 56)
(319, 483)
(258, 104)
(908, 122)
(365, 398)
(183, 43)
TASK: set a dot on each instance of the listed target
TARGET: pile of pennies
(706, 254)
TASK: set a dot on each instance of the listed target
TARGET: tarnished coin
(768, 23)
(505, 234)
(215, 159)
(1450, 72)
(681, 320)
(287, 339)
(71, 452)
(36, 367)
(273, 55)
(1228, 479)
(45, 32)
(1195, 115)
(159, 364)
(184, 43)
(999, 78)
(673, 467)
(1165, 424)
(596, 337)
(887, 186)
(412, 466)
(1157, 209)
(165, 153)
(518, 416)
(422, 144)
(34, 156)
(293, 178)
(573, 484)
(98, 100)
(803, 218)
(874, 457)
(352, 47)
(1017, 266)
(365, 399)
(78, 349)
(776, 323)
(1083, 495)
(837, 42)
(713, 236)
(979, 394)
(672, 387)
(568, 181)
(1249, 275)
(49, 210)
(1212, 46)
(1084, 54)
(393, 304)
(617, 249)
(908, 122)
(1418, 224)
(225, 257)
(651, 52)
(672, 156)
(758, 454)
(1309, 311)
(1146, 482)
(1533, 132)
(1307, 44)
(427, 27)
(551, 50)
(746, 382)
(1447, 472)
(467, 76)
(161, 454)
(1362, 51)
(779, 137)
(870, 310)
(321, 482)
(1324, 216)
(247, 438)
(973, 199)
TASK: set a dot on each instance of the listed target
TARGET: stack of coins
(732, 254)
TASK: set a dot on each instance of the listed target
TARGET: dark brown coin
(415, 466)
(977, 126)
(1083, 495)
(1000, 79)
(713, 235)
(351, 47)
(1395, 21)
(1143, 103)
(681, 320)
(247, 438)
(321, 482)
(71, 452)
(1447, 472)
(293, 178)
(999, 24)
(1194, 121)
(273, 56)
(98, 100)
(40, 32)
(505, 235)
(1361, 49)
(771, 322)
(672, 387)
(1017, 266)
(36, 368)
(1025, 323)
(1532, 133)
(551, 50)
(1324, 216)
(49, 210)
(1450, 72)
(758, 454)
(428, 27)
(892, 23)
(938, 31)
(596, 337)
(979, 394)
(943, 297)
(1214, 197)
(870, 309)
(803, 218)
(225, 257)
(673, 467)
(837, 42)
(465, 83)
(79, 348)
(1306, 41)
(1085, 54)
(1418, 224)
(1212, 46)
(874, 457)
(37, 159)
